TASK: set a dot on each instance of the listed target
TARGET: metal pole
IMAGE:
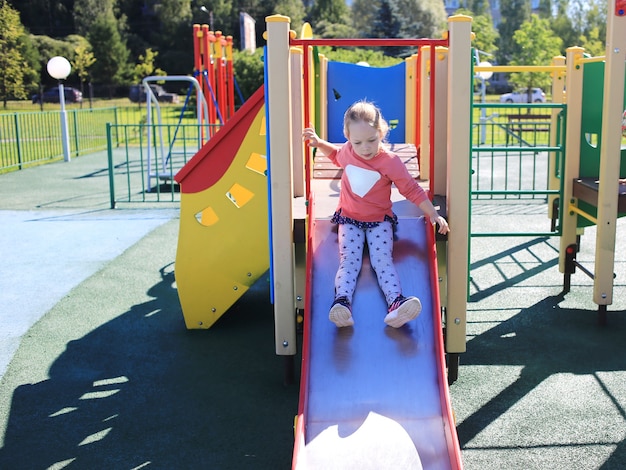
(483, 111)
(65, 136)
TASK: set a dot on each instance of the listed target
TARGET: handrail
(520, 68)
(589, 60)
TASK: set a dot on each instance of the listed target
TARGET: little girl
(365, 211)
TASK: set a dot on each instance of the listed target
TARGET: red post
(230, 77)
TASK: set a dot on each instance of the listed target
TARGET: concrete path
(48, 253)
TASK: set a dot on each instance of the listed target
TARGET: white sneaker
(402, 310)
(340, 313)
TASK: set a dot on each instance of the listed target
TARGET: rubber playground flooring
(101, 373)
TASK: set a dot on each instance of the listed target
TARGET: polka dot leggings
(380, 243)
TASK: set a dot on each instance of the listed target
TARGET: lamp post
(210, 13)
(59, 68)
(483, 76)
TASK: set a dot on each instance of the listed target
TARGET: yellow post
(323, 111)
(411, 99)
(611, 138)
(424, 91)
(279, 105)
(574, 87)
(558, 87)
(298, 114)
(441, 118)
(299, 186)
(458, 186)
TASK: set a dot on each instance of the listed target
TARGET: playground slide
(223, 237)
(373, 396)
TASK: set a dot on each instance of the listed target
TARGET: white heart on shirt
(361, 180)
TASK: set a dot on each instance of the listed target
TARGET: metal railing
(517, 155)
(33, 138)
(143, 160)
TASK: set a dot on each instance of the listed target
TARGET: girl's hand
(309, 135)
(443, 223)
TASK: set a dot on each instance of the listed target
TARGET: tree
(364, 13)
(47, 17)
(294, 10)
(331, 18)
(360, 54)
(592, 42)
(387, 22)
(111, 67)
(86, 12)
(581, 24)
(408, 19)
(536, 45)
(563, 28)
(12, 62)
(486, 34)
(514, 13)
(172, 39)
(248, 70)
(83, 60)
(545, 9)
(32, 65)
(47, 48)
(333, 11)
(479, 7)
(595, 19)
(145, 67)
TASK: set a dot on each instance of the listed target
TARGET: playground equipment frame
(609, 167)
(456, 177)
(151, 100)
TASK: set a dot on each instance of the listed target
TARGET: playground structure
(255, 178)
(586, 155)
(213, 77)
(213, 62)
(595, 158)
(231, 186)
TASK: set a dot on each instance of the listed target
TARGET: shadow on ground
(540, 386)
(140, 391)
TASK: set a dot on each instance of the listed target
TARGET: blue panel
(385, 87)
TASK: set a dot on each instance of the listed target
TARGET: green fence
(143, 160)
(34, 137)
(517, 158)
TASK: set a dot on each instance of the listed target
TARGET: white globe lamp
(59, 68)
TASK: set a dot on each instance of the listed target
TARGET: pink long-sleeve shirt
(366, 184)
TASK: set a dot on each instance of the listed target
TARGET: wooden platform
(586, 189)
(325, 169)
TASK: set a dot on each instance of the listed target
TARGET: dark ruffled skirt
(340, 219)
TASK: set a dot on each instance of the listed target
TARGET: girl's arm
(309, 135)
(429, 210)
(411, 190)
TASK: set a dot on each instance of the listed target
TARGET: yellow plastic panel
(219, 258)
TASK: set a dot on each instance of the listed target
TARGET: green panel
(591, 121)
(591, 129)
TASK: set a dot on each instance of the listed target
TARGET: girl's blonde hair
(367, 112)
